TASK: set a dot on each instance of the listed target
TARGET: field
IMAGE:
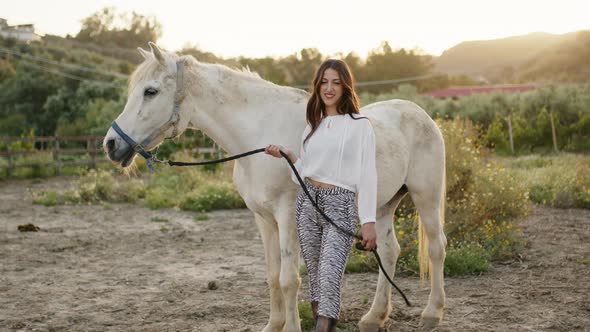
(122, 267)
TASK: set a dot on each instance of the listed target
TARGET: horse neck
(235, 108)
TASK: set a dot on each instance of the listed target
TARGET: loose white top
(341, 152)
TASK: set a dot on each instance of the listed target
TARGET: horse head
(152, 112)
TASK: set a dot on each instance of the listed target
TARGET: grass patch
(95, 187)
(52, 198)
(559, 180)
(192, 189)
(212, 197)
(159, 219)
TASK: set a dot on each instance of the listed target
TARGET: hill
(499, 58)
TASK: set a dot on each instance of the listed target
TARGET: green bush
(188, 188)
(470, 258)
(483, 197)
(157, 198)
(561, 180)
(212, 197)
(50, 198)
(540, 194)
(531, 113)
(96, 186)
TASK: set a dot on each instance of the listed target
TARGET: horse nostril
(110, 145)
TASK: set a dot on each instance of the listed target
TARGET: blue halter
(136, 147)
(172, 122)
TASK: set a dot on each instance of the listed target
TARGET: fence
(55, 148)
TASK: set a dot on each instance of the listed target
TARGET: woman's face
(331, 88)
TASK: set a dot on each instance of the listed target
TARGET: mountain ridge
(490, 58)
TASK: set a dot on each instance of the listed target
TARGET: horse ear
(157, 53)
(145, 54)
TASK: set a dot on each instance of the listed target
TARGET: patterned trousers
(325, 249)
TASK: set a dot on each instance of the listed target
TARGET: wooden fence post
(553, 131)
(9, 157)
(91, 146)
(510, 132)
(56, 161)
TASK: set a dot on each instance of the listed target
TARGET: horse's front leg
(269, 233)
(289, 279)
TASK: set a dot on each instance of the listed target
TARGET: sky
(258, 28)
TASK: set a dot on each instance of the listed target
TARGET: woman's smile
(331, 89)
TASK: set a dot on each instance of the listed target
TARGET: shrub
(470, 258)
(212, 197)
(540, 194)
(49, 198)
(96, 186)
(99, 186)
(158, 197)
(187, 188)
(561, 180)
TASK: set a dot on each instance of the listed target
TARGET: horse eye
(150, 92)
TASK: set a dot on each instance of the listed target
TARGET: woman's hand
(273, 150)
(369, 236)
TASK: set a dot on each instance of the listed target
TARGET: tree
(25, 93)
(267, 68)
(6, 70)
(300, 67)
(383, 63)
(136, 30)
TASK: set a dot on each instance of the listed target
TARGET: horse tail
(423, 255)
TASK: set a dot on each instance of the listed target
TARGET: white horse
(240, 111)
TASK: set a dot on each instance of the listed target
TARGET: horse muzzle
(118, 150)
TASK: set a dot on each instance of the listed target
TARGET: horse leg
(289, 277)
(429, 201)
(388, 249)
(269, 233)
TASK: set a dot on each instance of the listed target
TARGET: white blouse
(341, 152)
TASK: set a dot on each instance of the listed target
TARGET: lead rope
(358, 245)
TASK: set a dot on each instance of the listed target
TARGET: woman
(336, 161)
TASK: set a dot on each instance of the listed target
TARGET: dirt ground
(120, 267)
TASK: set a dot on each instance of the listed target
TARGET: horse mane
(149, 66)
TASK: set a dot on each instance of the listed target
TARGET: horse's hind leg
(427, 193)
(388, 249)
(270, 238)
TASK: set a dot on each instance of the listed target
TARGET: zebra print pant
(325, 249)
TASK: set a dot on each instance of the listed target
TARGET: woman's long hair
(348, 103)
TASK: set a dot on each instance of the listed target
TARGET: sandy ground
(119, 267)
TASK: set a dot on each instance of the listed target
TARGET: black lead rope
(358, 245)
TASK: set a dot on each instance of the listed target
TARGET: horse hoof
(428, 324)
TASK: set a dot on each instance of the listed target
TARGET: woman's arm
(367, 189)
